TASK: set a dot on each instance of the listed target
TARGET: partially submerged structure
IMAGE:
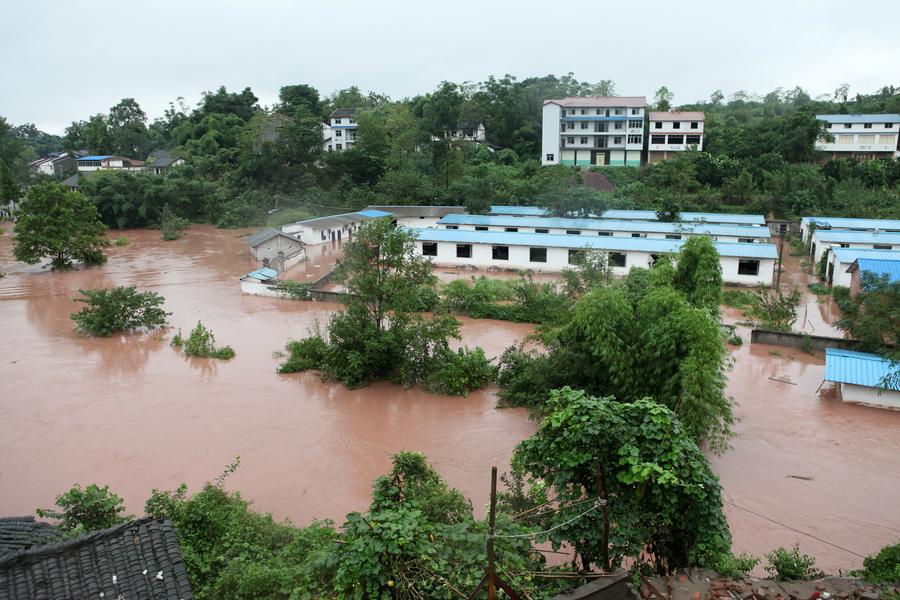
(861, 378)
(261, 282)
(333, 228)
(889, 270)
(417, 216)
(275, 249)
(839, 261)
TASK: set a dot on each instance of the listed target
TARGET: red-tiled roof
(600, 101)
(677, 116)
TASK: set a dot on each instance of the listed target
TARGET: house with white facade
(862, 137)
(341, 131)
(884, 269)
(593, 130)
(275, 249)
(674, 132)
(746, 234)
(742, 264)
(160, 161)
(87, 164)
(859, 375)
(839, 238)
(808, 224)
(261, 282)
(642, 215)
(334, 228)
(53, 165)
(840, 260)
(416, 216)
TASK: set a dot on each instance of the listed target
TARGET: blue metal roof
(531, 211)
(373, 213)
(882, 118)
(857, 368)
(263, 274)
(606, 225)
(848, 255)
(836, 236)
(641, 215)
(848, 223)
(98, 157)
(655, 246)
(891, 268)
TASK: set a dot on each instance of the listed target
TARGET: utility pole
(780, 253)
(490, 573)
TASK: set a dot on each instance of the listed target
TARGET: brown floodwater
(130, 412)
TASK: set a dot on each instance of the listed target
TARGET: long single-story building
(822, 240)
(605, 227)
(418, 215)
(880, 268)
(858, 375)
(640, 215)
(742, 264)
(333, 228)
(807, 224)
(840, 259)
(276, 249)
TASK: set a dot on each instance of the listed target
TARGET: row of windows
(669, 236)
(676, 125)
(675, 139)
(539, 255)
(865, 125)
(602, 111)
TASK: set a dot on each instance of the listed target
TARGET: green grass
(738, 299)
(287, 215)
(819, 290)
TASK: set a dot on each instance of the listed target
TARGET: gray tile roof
(417, 210)
(21, 533)
(263, 235)
(160, 158)
(343, 112)
(140, 559)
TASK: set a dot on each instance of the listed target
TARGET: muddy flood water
(132, 413)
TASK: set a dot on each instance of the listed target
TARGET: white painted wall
(417, 222)
(822, 246)
(593, 233)
(858, 394)
(550, 134)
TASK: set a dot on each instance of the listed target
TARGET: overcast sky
(64, 60)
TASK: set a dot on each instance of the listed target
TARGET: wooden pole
(492, 573)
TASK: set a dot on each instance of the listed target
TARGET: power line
(794, 529)
(597, 504)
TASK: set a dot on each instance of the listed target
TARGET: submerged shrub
(202, 343)
(305, 354)
(297, 290)
(121, 241)
(790, 565)
(171, 225)
(118, 309)
(460, 372)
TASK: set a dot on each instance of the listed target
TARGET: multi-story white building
(593, 130)
(340, 133)
(860, 136)
(673, 132)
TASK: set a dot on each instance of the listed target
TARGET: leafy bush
(171, 225)
(202, 343)
(89, 509)
(286, 216)
(475, 300)
(460, 372)
(822, 267)
(735, 340)
(297, 290)
(790, 565)
(842, 298)
(775, 310)
(118, 309)
(818, 289)
(733, 566)
(121, 241)
(742, 299)
(308, 353)
(883, 567)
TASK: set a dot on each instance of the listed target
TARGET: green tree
(127, 125)
(9, 191)
(662, 501)
(60, 224)
(872, 317)
(699, 273)
(85, 510)
(297, 96)
(663, 99)
(120, 309)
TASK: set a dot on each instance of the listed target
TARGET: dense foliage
(171, 226)
(201, 343)
(663, 503)
(58, 224)
(883, 567)
(522, 301)
(88, 509)
(790, 565)
(119, 309)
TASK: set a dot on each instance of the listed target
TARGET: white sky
(65, 60)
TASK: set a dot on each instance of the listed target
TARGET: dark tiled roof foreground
(137, 560)
(21, 533)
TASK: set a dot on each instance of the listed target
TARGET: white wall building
(860, 240)
(746, 234)
(54, 164)
(334, 228)
(673, 132)
(593, 130)
(275, 249)
(861, 136)
(341, 131)
(416, 216)
(742, 264)
(837, 271)
(87, 164)
(807, 224)
(858, 375)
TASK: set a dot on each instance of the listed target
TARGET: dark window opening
(452, 227)
(572, 232)
(500, 252)
(511, 229)
(748, 267)
(537, 255)
(605, 233)
(616, 259)
(673, 236)
(539, 230)
(464, 251)
(480, 228)
(429, 248)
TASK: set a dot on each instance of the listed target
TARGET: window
(635, 111)
(695, 125)
(881, 247)
(338, 146)
(452, 226)
(635, 124)
(572, 232)
(845, 245)
(847, 125)
(537, 255)
(676, 139)
(634, 139)
(584, 112)
(480, 228)
(583, 140)
(584, 124)
(598, 111)
(692, 139)
(748, 267)
(338, 133)
(745, 240)
(542, 231)
(511, 229)
(676, 125)
(867, 126)
(888, 125)
(551, 157)
(638, 235)
(464, 251)
(618, 111)
(575, 256)
(570, 125)
(337, 121)
(500, 252)
(657, 139)
(604, 233)
(429, 248)
(616, 259)
(617, 139)
(619, 125)
(658, 125)
(673, 236)
(570, 140)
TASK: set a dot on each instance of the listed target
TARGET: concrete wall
(277, 245)
(594, 233)
(550, 134)
(313, 234)
(858, 394)
(797, 340)
(417, 222)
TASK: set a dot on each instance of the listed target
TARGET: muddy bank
(130, 412)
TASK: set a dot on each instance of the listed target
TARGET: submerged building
(861, 378)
